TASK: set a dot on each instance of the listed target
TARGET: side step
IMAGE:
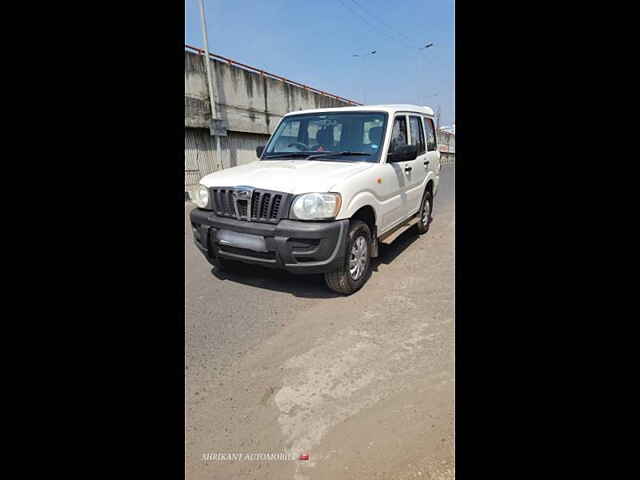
(398, 230)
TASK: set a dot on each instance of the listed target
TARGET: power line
(382, 22)
(361, 17)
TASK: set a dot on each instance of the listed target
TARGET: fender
(430, 176)
(361, 199)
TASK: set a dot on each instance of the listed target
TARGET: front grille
(242, 207)
(267, 206)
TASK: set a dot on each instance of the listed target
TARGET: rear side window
(417, 133)
(431, 135)
(398, 134)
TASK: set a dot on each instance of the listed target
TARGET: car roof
(391, 109)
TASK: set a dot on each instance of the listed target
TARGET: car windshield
(334, 137)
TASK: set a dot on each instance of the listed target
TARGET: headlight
(202, 197)
(316, 206)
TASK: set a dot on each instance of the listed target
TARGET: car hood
(291, 176)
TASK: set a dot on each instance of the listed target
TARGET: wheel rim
(358, 258)
(426, 210)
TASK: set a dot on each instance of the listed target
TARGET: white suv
(328, 187)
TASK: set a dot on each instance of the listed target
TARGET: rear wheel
(426, 207)
(355, 270)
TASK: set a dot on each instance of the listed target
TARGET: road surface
(276, 363)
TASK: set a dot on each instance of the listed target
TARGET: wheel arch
(363, 205)
(367, 214)
(430, 185)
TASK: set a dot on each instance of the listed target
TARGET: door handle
(408, 168)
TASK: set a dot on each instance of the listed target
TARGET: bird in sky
(370, 53)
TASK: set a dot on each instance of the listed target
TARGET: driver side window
(398, 134)
(288, 137)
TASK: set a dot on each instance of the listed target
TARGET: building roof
(391, 109)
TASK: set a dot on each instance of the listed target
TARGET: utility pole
(419, 68)
(363, 56)
(214, 128)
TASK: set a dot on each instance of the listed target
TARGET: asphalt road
(363, 384)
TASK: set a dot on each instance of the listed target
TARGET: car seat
(324, 137)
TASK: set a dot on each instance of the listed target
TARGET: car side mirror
(259, 150)
(405, 153)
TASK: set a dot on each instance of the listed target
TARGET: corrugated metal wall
(200, 157)
(242, 147)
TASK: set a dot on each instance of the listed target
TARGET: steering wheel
(299, 145)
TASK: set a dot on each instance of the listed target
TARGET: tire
(426, 208)
(348, 280)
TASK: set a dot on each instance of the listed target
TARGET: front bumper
(298, 247)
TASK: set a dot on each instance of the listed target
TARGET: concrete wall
(251, 104)
(248, 101)
(197, 111)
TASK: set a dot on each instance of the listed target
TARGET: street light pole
(419, 64)
(373, 52)
(212, 100)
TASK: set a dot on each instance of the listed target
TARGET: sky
(314, 42)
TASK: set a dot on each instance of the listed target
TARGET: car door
(418, 173)
(394, 180)
(433, 155)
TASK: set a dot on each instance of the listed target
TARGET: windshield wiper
(285, 154)
(337, 154)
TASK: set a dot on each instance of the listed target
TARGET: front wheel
(355, 271)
